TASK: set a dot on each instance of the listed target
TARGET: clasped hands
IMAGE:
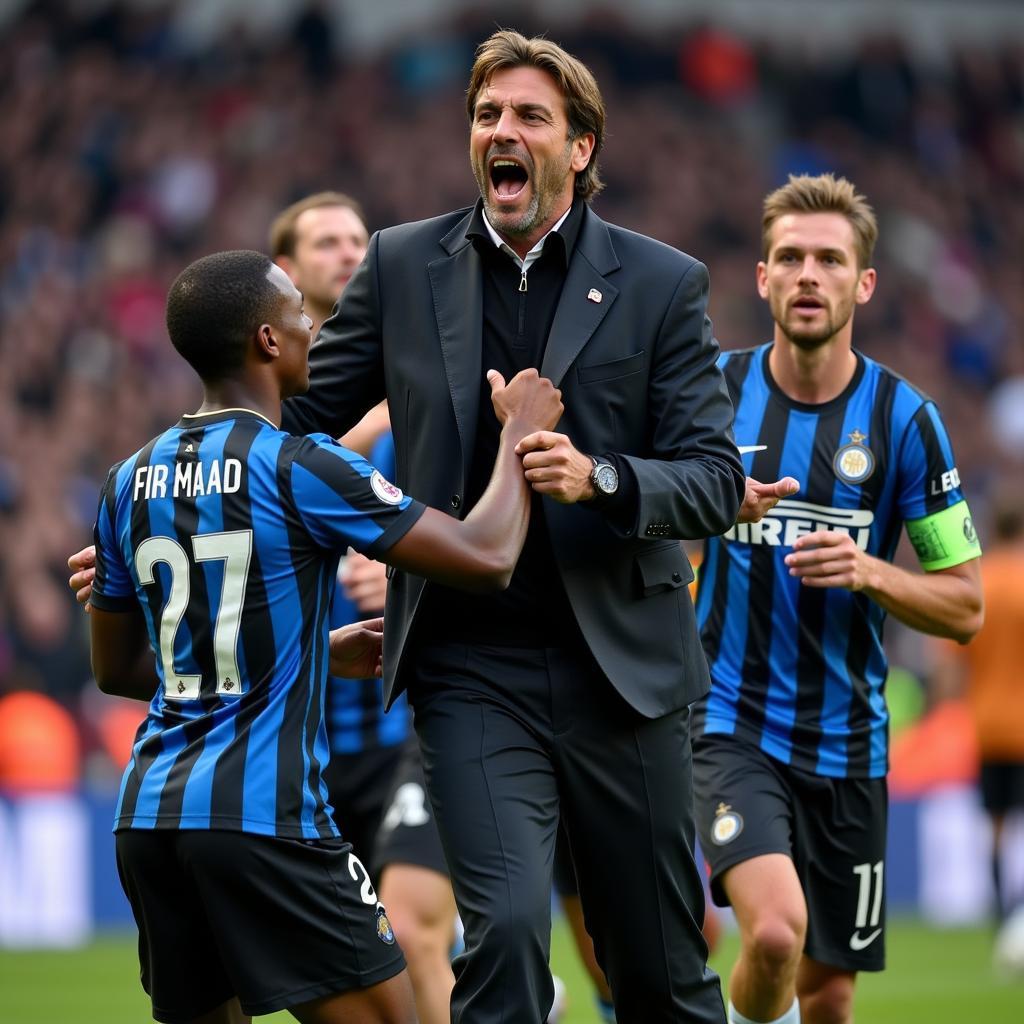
(551, 463)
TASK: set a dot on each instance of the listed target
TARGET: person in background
(989, 675)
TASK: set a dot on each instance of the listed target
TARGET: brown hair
(583, 104)
(823, 194)
(282, 231)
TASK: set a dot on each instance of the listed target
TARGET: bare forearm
(480, 552)
(122, 662)
(500, 519)
(940, 603)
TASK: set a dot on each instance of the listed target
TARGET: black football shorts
(358, 787)
(275, 922)
(749, 804)
(408, 832)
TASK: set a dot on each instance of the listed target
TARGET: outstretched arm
(480, 552)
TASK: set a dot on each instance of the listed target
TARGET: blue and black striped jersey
(356, 720)
(800, 671)
(227, 532)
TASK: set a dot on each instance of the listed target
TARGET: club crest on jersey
(854, 462)
(385, 932)
(726, 826)
(384, 489)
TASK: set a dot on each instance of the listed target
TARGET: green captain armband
(945, 538)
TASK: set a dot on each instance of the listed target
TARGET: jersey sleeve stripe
(937, 457)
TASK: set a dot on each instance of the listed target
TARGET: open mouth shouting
(509, 177)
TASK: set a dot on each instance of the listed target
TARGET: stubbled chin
(512, 218)
(507, 207)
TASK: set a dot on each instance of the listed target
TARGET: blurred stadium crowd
(127, 153)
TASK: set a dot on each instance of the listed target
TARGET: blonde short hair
(823, 194)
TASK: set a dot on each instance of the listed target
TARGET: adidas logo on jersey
(792, 519)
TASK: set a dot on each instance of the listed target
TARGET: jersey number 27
(234, 549)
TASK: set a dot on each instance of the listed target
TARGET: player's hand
(365, 582)
(828, 558)
(528, 401)
(355, 650)
(554, 467)
(759, 499)
(83, 568)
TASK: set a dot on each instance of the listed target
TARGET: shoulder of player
(321, 454)
(115, 469)
(908, 399)
(906, 390)
(119, 474)
(300, 446)
(641, 252)
(739, 355)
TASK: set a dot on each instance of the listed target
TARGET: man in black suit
(568, 694)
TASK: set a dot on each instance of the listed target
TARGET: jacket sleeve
(346, 372)
(692, 484)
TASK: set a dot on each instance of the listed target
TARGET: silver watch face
(606, 479)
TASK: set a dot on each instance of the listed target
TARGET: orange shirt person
(995, 688)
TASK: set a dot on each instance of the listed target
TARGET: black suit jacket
(631, 349)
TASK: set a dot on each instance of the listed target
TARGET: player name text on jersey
(191, 479)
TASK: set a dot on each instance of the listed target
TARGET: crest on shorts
(854, 462)
(726, 826)
(384, 489)
(385, 932)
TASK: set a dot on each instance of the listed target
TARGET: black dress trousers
(513, 739)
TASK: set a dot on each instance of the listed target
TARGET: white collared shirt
(524, 263)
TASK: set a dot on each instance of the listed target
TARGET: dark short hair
(282, 232)
(584, 106)
(216, 305)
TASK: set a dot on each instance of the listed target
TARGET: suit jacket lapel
(586, 297)
(457, 287)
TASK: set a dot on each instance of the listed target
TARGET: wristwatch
(604, 477)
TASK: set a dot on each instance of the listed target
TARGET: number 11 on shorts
(869, 896)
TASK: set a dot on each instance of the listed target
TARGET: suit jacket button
(456, 501)
(677, 577)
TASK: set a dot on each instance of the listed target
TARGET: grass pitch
(934, 977)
